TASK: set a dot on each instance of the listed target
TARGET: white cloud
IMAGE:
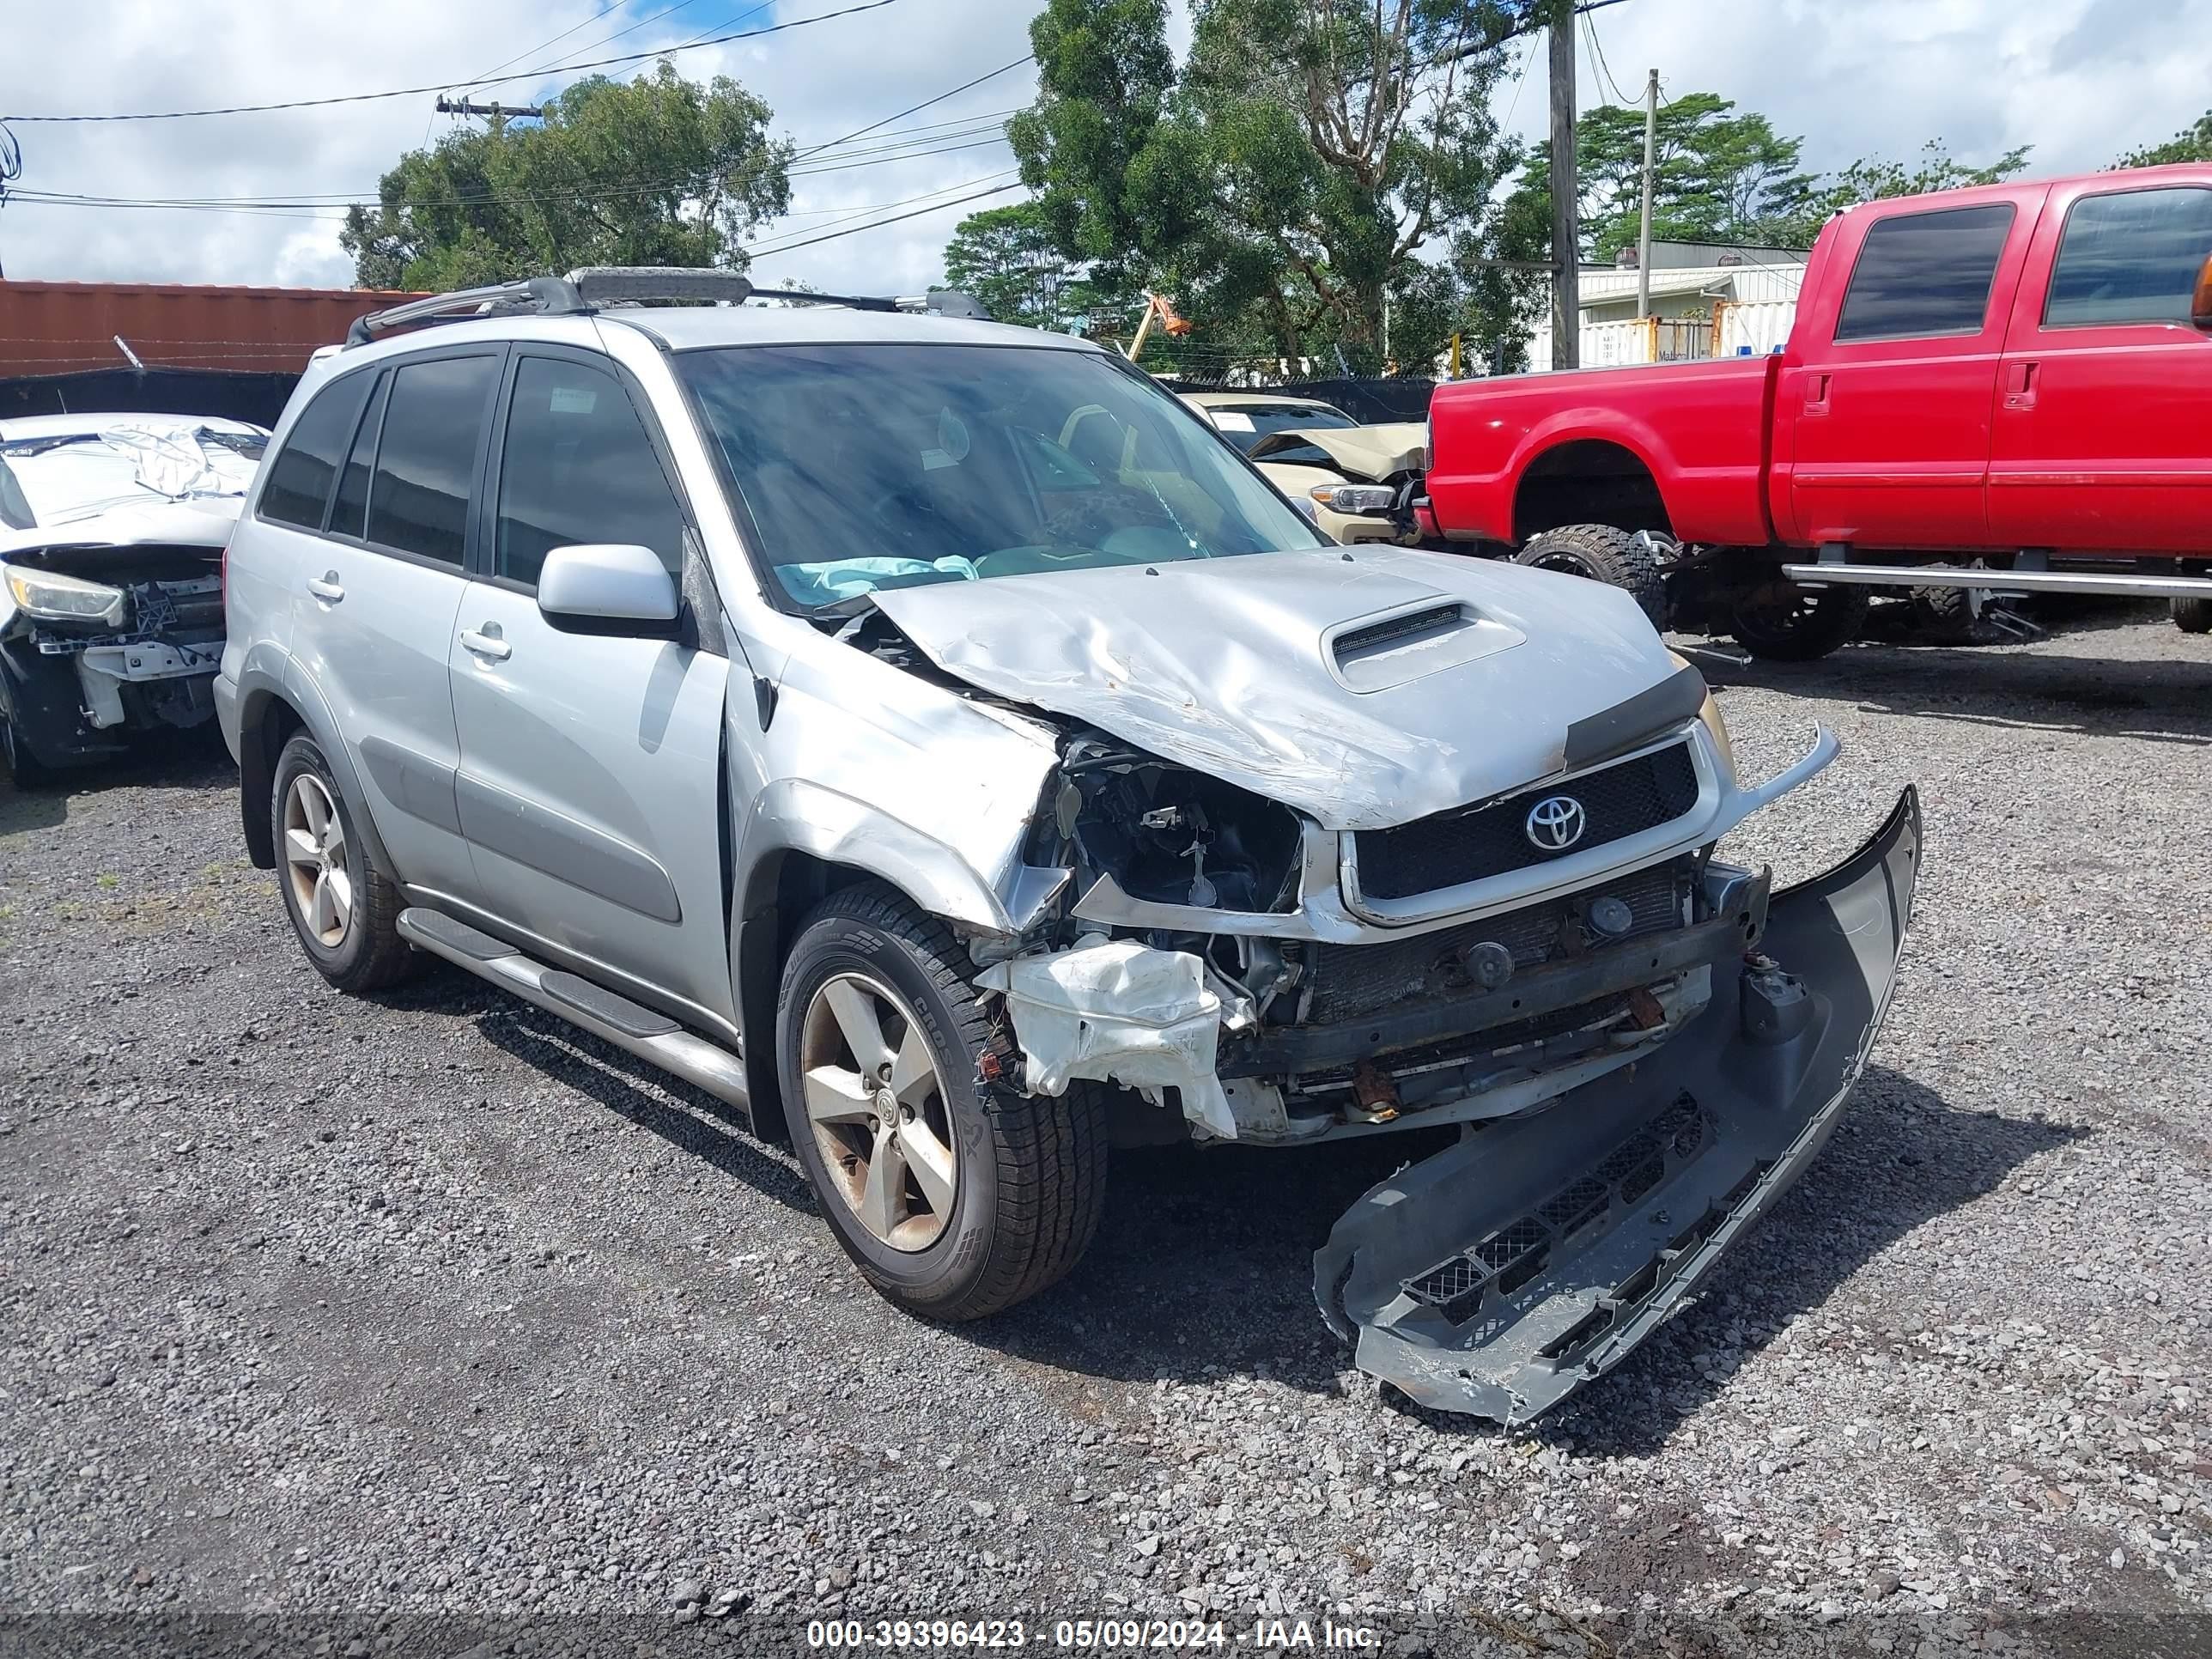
(2080, 80)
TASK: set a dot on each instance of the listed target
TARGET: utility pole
(1566, 229)
(1644, 229)
(497, 111)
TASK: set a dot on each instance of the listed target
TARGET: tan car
(1345, 474)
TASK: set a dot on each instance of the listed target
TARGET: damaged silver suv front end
(1401, 842)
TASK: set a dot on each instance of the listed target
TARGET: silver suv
(932, 737)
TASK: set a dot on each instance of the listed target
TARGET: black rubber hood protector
(1498, 1276)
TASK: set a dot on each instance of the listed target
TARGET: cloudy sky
(2080, 81)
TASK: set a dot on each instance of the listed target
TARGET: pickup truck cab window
(577, 467)
(1922, 274)
(2131, 255)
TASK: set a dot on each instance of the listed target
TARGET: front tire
(25, 769)
(1783, 622)
(344, 905)
(1603, 554)
(2192, 616)
(955, 1198)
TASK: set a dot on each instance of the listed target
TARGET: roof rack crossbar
(580, 293)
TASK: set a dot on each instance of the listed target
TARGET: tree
(1871, 179)
(657, 171)
(2192, 143)
(1718, 176)
(1286, 180)
(1006, 259)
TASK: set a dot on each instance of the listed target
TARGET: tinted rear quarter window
(299, 484)
(578, 467)
(2131, 257)
(349, 516)
(1922, 274)
(418, 498)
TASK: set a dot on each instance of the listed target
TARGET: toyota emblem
(1556, 823)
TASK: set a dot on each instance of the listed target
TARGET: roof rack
(579, 293)
(585, 290)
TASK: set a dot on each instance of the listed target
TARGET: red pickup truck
(2006, 389)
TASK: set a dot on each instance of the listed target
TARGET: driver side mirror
(2200, 307)
(608, 587)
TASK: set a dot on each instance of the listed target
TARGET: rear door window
(578, 467)
(299, 486)
(350, 517)
(1922, 274)
(418, 493)
(2130, 257)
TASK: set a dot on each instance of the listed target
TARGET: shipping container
(55, 328)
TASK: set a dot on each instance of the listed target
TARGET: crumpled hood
(203, 521)
(1371, 453)
(1243, 668)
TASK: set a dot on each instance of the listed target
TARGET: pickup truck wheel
(1782, 622)
(2193, 615)
(1957, 616)
(956, 1198)
(1603, 554)
(343, 906)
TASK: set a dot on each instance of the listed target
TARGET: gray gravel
(429, 1305)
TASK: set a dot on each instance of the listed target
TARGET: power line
(608, 39)
(532, 52)
(1597, 57)
(831, 236)
(488, 81)
(851, 214)
(1026, 57)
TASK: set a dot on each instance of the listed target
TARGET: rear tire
(1956, 616)
(1603, 554)
(2193, 615)
(957, 1199)
(1783, 622)
(344, 905)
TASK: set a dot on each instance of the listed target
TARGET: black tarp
(258, 397)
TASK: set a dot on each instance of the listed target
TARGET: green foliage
(1005, 258)
(657, 171)
(2193, 144)
(1283, 183)
(1870, 180)
(1718, 176)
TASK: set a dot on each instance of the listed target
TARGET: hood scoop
(1380, 652)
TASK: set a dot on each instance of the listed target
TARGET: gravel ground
(363, 1311)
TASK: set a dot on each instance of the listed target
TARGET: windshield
(53, 477)
(1245, 424)
(866, 467)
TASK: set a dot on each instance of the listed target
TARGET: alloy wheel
(315, 861)
(877, 1106)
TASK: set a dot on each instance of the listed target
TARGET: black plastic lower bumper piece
(1498, 1276)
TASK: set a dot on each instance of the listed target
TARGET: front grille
(1353, 981)
(1450, 848)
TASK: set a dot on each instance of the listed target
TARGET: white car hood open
(1231, 666)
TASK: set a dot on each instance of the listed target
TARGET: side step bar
(631, 1026)
(2126, 584)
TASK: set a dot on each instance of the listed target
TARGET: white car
(112, 532)
(1342, 475)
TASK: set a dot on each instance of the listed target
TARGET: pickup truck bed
(1978, 384)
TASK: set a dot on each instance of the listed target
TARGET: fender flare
(1592, 424)
(269, 674)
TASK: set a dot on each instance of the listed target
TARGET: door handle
(325, 587)
(486, 642)
(1816, 394)
(2019, 385)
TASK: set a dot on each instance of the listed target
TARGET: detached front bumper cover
(1498, 1276)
